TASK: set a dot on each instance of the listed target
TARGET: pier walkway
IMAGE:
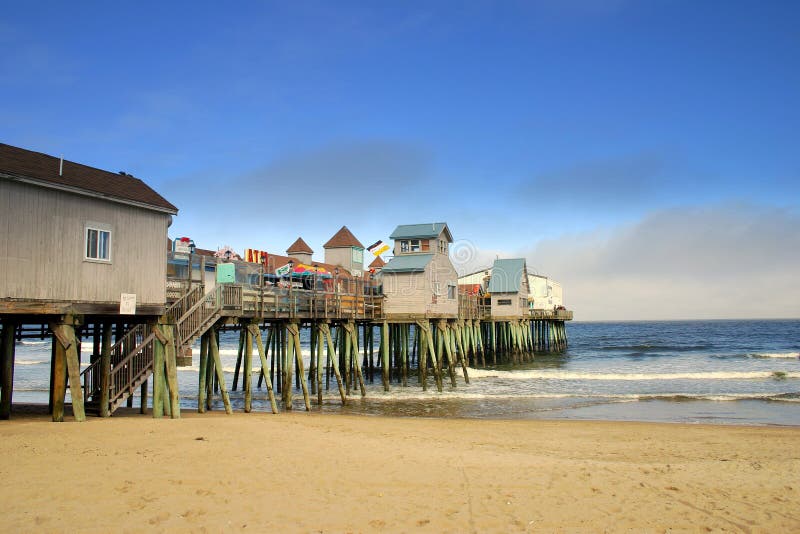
(351, 336)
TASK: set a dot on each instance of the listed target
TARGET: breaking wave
(571, 375)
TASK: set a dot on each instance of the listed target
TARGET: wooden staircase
(194, 314)
(132, 355)
(131, 365)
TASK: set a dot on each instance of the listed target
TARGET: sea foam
(572, 375)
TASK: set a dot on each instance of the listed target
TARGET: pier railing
(131, 363)
(288, 303)
(134, 356)
(257, 292)
(553, 315)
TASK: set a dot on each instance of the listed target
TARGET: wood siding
(344, 257)
(42, 248)
(412, 293)
(427, 246)
(515, 309)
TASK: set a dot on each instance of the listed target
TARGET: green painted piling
(239, 355)
(247, 377)
(214, 349)
(295, 331)
(332, 357)
(385, 355)
(262, 354)
(171, 363)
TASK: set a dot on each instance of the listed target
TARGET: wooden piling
(214, 349)
(7, 349)
(352, 332)
(332, 353)
(288, 368)
(262, 354)
(319, 343)
(202, 371)
(159, 381)
(445, 340)
(435, 360)
(463, 355)
(105, 371)
(247, 377)
(65, 335)
(171, 363)
(142, 399)
(294, 329)
(347, 357)
(385, 355)
(58, 380)
(210, 374)
(404, 355)
(239, 355)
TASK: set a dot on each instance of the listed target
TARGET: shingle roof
(377, 263)
(343, 238)
(299, 246)
(408, 264)
(81, 179)
(421, 231)
(507, 276)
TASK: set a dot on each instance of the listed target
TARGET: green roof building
(508, 288)
(420, 280)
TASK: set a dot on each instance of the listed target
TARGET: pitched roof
(377, 263)
(507, 276)
(411, 263)
(421, 231)
(41, 169)
(299, 246)
(343, 238)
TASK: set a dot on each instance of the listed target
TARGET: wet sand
(303, 472)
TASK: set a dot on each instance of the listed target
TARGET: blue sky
(558, 130)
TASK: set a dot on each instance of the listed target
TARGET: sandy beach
(326, 473)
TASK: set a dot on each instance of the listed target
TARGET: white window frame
(411, 245)
(99, 228)
(452, 290)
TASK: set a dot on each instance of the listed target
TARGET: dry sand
(312, 473)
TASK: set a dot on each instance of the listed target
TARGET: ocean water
(730, 372)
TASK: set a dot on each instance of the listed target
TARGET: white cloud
(723, 261)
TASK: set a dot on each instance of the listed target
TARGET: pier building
(546, 293)
(345, 250)
(420, 280)
(508, 289)
(87, 263)
(83, 256)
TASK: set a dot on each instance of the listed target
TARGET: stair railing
(131, 368)
(195, 317)
(134, 343)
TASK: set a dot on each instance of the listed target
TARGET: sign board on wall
(253, 255)
(183, 245)
(127, 304)
(226, 273)
(358, 255)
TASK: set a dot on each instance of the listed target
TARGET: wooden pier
(352, 341)
(113, 288)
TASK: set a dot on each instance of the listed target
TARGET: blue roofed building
(508, 288)
(420, 280)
